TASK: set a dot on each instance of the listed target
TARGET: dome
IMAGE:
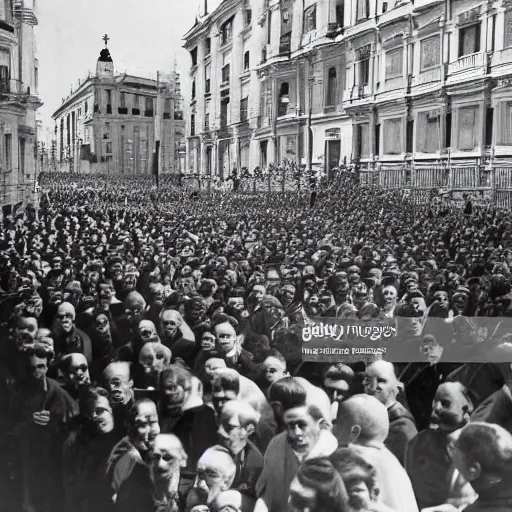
(105, 56)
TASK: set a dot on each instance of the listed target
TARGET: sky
(144, 37)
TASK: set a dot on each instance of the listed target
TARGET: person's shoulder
(399, 413)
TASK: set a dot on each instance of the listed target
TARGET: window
(192, 124)
(226, 32)
(86, 107)
(286, 17)
(340, 13)
(61, 139)
(8, 150)
(73, 126)
(108, 148)
(68, 129)
(244, 102)
(363, 10)
(167, 108)
(208, 46)
(248, 17)
(332, 85)
(207, 122)
(377, 139)
(207, 78)
(427, 136)
(225, 74)
(392, 136)
(106, 133)
(430, 50)
(108, 94)
(363, 140)
(193, 89)
(394, 63)
(364, 71)
(489, 117)
(263, 153)
(36, 78)
(505, 133)
(8, 11)
(310, 19)
(246, 61)
(508, 29)
(4, 78)
(224, 112)
(469, 40)
(466, 125)
(193, 56)
(148, 107)
(122, 100)
(136, 105)
(284, 99)
(22, 144)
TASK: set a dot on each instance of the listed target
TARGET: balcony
(395, 14)
(427, 77)
(334, 30)
(285, 44)
(501, 63)
(467, 67)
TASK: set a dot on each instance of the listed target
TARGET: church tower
(105, 66)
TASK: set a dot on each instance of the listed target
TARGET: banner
(403, 339)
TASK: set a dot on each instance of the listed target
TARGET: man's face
(39, 367)
(102, 325)
(120, 388)
(78, 371)
(237, 303)
(35, 307)
(65, 318)
(152, 358)
(287, 295)
(338, 390)
(54, 296)
(259, 291)
(442, 299)
(105, 296)
(390, 295)
(273, 370)
(25, 332)
(116, 271)
(221, 397)
(102, 416)
(461, 301)
(211, 477)
(170, 323)
(433, 352)
(166, 459)
(450, 409)
(134, 312)
(175, 394)
(302, 430)
(208, 342)
(231, 433)
(146, 330)
(226, 336)
(145, 427)
(158, 297)
(380, 384)
(360, 497)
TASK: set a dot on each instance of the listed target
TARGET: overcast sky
(144, 38)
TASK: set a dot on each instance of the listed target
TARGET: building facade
(18, 101)
(429, 90)
(267, 82)
(110, 124)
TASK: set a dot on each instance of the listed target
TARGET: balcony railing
(502, 57)
(392, 84)
(427, 77)
(285, 44)
(474, 60)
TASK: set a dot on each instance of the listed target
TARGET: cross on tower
(106, 39)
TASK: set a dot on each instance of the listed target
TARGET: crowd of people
(152, 359)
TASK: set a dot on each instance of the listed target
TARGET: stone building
(18, 101)
(267, 80)
(110, 123)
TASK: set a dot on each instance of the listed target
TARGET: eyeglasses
(65, 316)
(80, 368)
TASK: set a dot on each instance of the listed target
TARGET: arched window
(332, 85)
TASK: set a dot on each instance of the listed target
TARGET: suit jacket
(249, 464)
(402, 428)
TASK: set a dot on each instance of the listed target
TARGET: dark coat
(402, 428)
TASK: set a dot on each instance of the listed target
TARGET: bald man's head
(483, 455)
(380, 381)
(361, 419)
